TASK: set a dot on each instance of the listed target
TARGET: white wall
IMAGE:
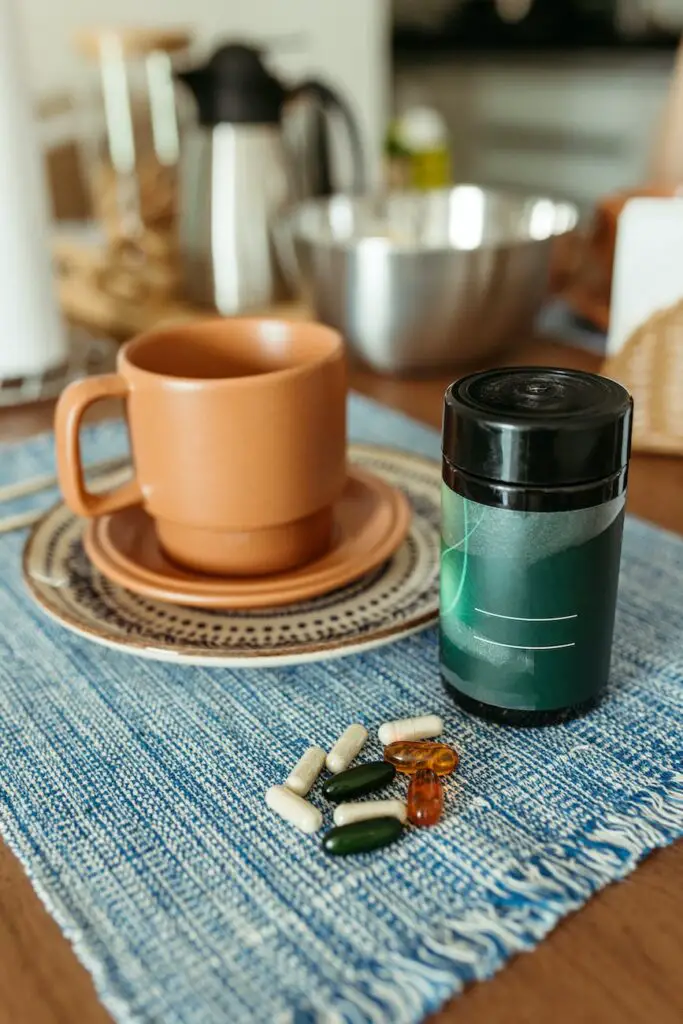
(346, 41)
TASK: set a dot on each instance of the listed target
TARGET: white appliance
(32, 339)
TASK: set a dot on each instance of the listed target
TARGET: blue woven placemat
(132, 792)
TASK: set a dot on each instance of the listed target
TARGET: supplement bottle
(535, 465)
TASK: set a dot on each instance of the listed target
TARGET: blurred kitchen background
(188, 171)
(556, 96)
(345, 41)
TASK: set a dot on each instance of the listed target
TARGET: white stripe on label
(520, 647)
(520, 618)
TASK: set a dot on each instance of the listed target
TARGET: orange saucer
(371, 521)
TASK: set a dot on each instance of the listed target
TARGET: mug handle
(71, 407)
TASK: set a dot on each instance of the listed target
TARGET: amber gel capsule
(425, 798)
(408, 757)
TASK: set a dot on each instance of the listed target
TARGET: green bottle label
(528, 602)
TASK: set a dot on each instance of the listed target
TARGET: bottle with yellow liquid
(417, 150)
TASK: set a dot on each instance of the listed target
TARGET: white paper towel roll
(32, 338)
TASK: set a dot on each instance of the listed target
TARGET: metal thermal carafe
(237, 173)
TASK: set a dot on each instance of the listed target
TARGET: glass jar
(535, 465)
(131, 136)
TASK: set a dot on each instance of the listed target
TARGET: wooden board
(86, 304)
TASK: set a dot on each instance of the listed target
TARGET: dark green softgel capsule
(362, 836)
(365, 778)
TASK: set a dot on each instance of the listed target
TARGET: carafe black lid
(235, 86)
(537, 426)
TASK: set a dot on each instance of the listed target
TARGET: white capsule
(294, 809)
(345, 814)
(426, 727)
(348, 746)
(306, 771)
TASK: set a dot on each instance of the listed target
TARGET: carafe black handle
(332, 102)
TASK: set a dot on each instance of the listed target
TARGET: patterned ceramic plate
(395, 600)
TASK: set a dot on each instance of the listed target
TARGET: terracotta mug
(238, 437)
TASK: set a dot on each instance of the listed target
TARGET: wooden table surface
(619, 959)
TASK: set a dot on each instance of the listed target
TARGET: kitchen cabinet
(572, 125)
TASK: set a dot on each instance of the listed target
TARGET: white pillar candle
(32, 338)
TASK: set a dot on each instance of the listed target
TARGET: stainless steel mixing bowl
(418, 281)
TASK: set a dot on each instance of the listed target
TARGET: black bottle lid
(235, 86)
(537, 426)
